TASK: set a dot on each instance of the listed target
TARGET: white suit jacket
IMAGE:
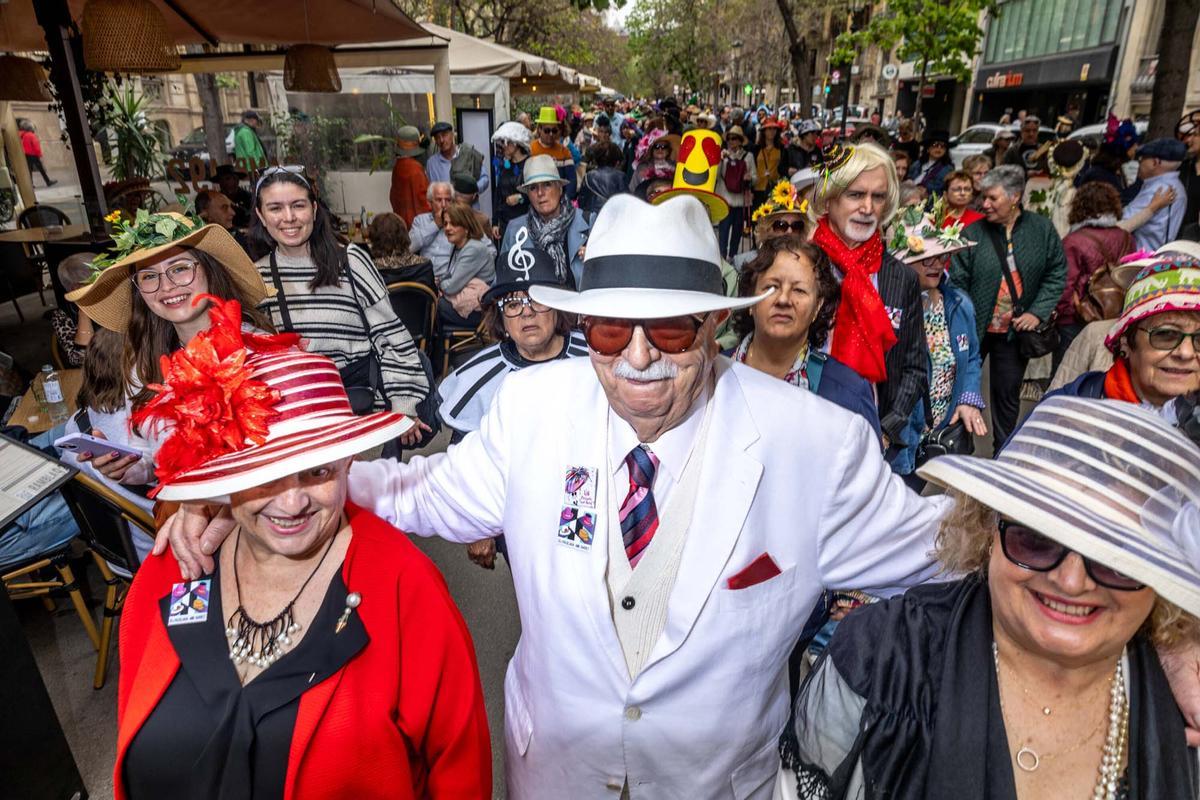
(785, 473)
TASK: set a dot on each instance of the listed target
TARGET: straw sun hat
(1108, 479)
(109, 297)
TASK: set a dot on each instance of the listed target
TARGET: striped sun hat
(1110, 480)
(314, 426)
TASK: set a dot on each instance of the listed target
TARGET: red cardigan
(402, 719)
(969, 217)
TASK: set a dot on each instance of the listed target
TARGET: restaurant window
(1027, 29)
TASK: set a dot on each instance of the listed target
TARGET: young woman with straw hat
(153, 287)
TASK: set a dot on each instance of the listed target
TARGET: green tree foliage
(939, 36)
(677, 42)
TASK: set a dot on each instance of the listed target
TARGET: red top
(969, 217)
(406, 713)
(30, 143)
(409, 187)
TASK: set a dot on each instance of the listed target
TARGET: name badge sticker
(964, 344)
(895, 315)
(577, 520)
(189, 602)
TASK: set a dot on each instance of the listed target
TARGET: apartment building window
(1035, 28)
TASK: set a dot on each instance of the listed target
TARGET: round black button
(628, 603)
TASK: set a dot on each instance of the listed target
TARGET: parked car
(194, 144)
(1093, 135)
(978, 138)
(834, 131)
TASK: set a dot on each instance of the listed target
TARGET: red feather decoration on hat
(208, 395)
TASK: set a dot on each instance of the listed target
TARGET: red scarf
(1118, 385)
(862, 331)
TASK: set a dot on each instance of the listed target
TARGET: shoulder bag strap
(280, 295)
(376, 375)
(1002, 252)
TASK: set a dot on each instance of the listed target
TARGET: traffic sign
(890, 72)
(836, 76)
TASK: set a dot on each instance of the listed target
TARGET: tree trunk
(1174, 57)
(214, 126)
(798, 54)
(918, 127)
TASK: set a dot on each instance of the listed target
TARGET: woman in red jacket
(323, 657)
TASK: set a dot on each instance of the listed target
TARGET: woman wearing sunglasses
(1037, 675)
(1156, 340)
(334, 297)
(783, 334)
(153, 288)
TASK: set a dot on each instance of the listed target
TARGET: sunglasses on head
(608, 336)
(783, 226)
(1031, 550)
(290, 169)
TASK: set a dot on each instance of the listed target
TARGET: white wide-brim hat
(540, 169)
(1108, 479)
(648, 261)
(315, 426)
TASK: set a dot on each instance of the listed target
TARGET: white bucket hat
(540, 169)
(648, 262)
(1108, 479)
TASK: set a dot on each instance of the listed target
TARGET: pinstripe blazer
(907, 378)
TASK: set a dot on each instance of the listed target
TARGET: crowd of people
(721, 428)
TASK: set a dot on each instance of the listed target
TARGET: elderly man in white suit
(671, 520)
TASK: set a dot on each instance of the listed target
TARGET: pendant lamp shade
(22, 79)
(310, 68)
(127, 36)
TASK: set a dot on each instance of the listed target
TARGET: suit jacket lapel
(155, 671)
(727, 487)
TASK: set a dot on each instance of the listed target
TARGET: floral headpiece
(144, 231)
(784, 199)
(918, 234)
(647, 143)
(208, 393)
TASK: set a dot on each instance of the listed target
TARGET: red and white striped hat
(314, 426)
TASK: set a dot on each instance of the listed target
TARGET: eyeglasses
(783, 226)
(181, 273)
(1167, 339)
(1031, 550)
(547, 129)
(290, 169)
(514, 307)
(608, 336)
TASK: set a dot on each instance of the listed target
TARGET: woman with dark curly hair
(783, 335)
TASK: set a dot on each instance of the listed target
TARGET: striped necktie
(639, 517)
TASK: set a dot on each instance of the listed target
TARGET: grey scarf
(551, 235)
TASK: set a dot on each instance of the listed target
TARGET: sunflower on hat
(784, 199)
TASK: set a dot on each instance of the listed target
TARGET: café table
(32, 418)
(51, 233)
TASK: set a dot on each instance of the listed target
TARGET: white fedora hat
(648, 262)
(1108, 479)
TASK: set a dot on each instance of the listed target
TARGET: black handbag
(362, 377)
(952, 440)
(1044, 338)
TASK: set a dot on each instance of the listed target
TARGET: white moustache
(661, 370)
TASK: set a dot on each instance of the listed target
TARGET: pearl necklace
(1108, 778)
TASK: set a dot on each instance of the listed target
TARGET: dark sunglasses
(783, 226)
(1031, 550)
(547, 129)
(608, 336)
(1167, 339)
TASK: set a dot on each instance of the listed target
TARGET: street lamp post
(737, 84)
(855, 5)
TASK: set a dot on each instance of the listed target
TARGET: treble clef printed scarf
(862, 331)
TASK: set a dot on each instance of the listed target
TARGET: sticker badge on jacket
(577, 520)
(189, 602)
(894, 314)
(964, 344)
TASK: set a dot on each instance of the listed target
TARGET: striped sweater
(328, 319)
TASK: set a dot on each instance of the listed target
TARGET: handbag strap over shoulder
(280, 295)
(1002, 254)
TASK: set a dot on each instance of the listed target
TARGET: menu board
(26, 476)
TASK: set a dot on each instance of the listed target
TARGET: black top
(211, 737)
(1191, 186)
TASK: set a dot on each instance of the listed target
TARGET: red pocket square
(761, 569)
